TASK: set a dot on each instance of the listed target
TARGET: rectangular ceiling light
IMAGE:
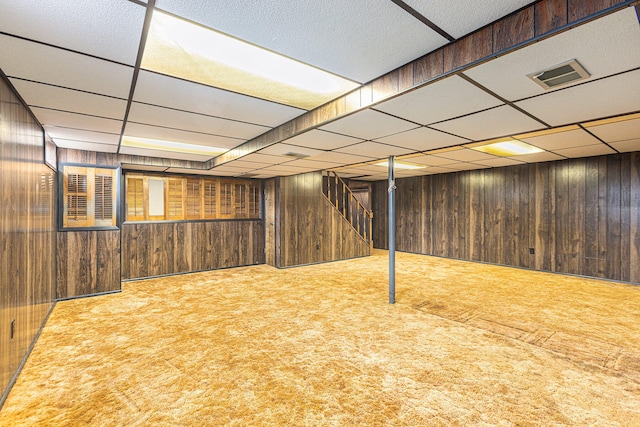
(176, 147)
(401, 165)
(180, 48)
(508, 148)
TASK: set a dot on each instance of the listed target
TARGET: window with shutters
(88, 197)
(154, 197)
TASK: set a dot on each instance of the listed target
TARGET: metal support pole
(392, 232)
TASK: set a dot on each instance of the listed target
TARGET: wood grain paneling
(27, 234)
(88, 262)
(579, 216)
(309, 229)
(550, 15)
(154, 249)
(468, 49)
(579, 9)
(514, 29)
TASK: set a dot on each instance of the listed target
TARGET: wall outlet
(532, 251)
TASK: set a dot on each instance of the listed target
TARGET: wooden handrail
(342, 198)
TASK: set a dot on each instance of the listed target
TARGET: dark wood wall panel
(27, 234)
(309, 229)
(154, 249)
(579, 216)
(88, 262)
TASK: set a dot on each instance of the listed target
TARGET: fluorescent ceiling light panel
(401, 165)
(176, 147)
(180, 48)
(508, 148)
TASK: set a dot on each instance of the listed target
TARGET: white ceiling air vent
(297, 155)
(558, 75)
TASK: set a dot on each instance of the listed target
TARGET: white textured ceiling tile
(76, 121)
(437, 169)
(322, 140)
(82, 135)
(342, 158)
(422, 139)
(594, 100)
(163, 154)
(85, 145)
(230, 167)
(561, 140)
(430, 160)
(46, 64)
(545, 156)
(447, 14)
(442, 100)
(160, 116)
(492, 123)
(312, 164)
(499, 162)
(356, 39)
(106, 29)
(619, 131)
(596, 45)
(41, 95)
(465, 155)
(282, 168)
(242, 163)
(369, 124)
(361, 170)
(627, 146)
(284, 149)
(264, 158)
(590, 150)
(374, 149)
(167, 91)
(166, 134)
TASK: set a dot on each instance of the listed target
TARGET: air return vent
(558, 75)
(297, 155)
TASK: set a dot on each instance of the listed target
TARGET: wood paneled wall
(154, 249)
(27, 234)
(308, 229)
(88, 262)
(579, 216)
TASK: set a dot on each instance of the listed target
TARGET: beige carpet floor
(466, 344)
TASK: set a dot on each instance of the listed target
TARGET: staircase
(348, 205)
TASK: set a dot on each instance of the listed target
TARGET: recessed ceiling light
(180, 48)
(401, 165)
(176, 147)
(508, 148)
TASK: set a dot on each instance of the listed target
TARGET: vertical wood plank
(550, 15)
(471, 48)
(513, 30)
(634, 221)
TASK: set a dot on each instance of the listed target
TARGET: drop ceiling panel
(41, 95)
(545, 156)
(605, 46)
(160, 116)
(322, 140)
(499, 162)
(464, 155)
(282, 169)
(357, 39)
(627, 146)
(590, 150)
(82, 135)
(76, 120)
(369, 124)
(429, 160)
(375, 150)
(167, 91)
(264, 158)
(607, 97)
(562, 140)
(618, 131)
(45, 64)
(360, 170)
(166, 134)
(107, 29)
(342, 158)
(312, 165)
(492, 123)
(162, 154)
(447, 14)
(191, 171)
(422, 139)
(85, 145)
(442, 100)
(283, 149)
